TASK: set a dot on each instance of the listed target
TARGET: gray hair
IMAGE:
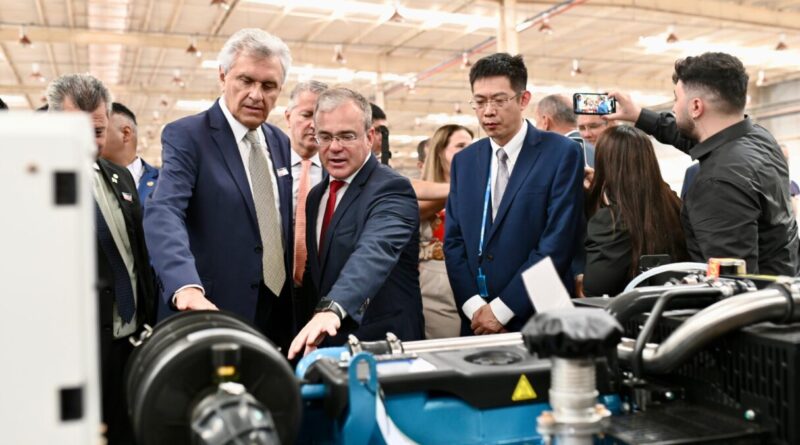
(335, 97)
(311, 86)
(85, 90)
(254, 41)
(558, 108)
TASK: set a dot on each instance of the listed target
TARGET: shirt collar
(513, 146)
(239, 130)
(296, 159)
(721, 138)
(136, 166)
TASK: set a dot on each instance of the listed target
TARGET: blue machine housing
(420, 416)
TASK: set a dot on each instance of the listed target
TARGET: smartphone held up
(593, 103)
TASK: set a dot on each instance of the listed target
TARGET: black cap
(572, 333)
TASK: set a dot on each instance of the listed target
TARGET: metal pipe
(449, 344)
(711, 323)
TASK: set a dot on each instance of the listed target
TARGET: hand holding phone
(593, 103)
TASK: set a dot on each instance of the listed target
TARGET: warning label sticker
(524, 390)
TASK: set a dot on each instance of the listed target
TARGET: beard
(686, 126)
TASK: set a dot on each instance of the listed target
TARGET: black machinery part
(173, 371)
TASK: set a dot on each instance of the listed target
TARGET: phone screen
(593, 103)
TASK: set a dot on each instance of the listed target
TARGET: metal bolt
(669, 395)
(750, 415)
(625, 407)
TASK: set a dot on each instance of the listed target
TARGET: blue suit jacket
(147, 183)
(201, 225)
(540, 215)
(370, 255)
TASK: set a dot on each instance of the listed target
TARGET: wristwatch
(328, 305)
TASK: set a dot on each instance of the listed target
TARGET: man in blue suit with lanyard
(515, 198)
(219, 225)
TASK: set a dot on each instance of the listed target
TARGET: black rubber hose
(660, 306)
(638, 301)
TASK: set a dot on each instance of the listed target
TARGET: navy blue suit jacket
(540, 215)
(201, 225)
(370, 255)
(147, 183)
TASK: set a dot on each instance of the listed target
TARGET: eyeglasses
(498, 102)
(345, 139)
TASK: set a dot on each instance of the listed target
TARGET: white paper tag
(282, 172)
(545, 289)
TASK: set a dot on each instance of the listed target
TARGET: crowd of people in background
(311, 237)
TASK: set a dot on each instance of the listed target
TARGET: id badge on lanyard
(483, 290)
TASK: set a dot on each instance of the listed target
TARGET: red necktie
(300, 252)
(329, 209)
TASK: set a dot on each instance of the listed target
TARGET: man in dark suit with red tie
(362, 234)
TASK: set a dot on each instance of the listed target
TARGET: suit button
(259, 250)
(489, 257)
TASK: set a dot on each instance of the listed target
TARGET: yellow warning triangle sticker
(524, 390)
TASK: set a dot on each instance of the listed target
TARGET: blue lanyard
(483, 290)
(487, 197)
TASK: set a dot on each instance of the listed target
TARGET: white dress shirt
(324, 201)
(315, 174)
(137, 170)
(512, 149)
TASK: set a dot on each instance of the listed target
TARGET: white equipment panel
(49, 390)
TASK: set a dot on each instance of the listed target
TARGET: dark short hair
(377, 112)
(720, 74)
(501, 64)
(118, 108)
(421, 150)
(3, 105)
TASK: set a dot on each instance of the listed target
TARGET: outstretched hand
(627, 110)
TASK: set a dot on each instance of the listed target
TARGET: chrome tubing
(454, 343)
(711, 323)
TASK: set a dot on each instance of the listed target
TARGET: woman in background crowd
(631, 210)
(438, 303)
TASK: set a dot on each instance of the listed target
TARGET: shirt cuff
(196, 286)
(474, 303)
(501, 312)
(647, 121)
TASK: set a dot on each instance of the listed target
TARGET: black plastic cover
(572, 333)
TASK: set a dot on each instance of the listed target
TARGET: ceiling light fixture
(221, 3)
(192, 49)
(177, 80)
(762, 78)
(36, 73)
(545, 26)
(781, 46)
(23, 38)
(576, 68)
(396, 16)
(465, 62)
(338, 55)
(671, 37)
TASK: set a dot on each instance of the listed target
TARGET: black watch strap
(328, 305)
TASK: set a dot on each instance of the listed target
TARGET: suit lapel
(350, 195)
(115, 181)
(228, 146)
(527, 158)
(281, 162)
